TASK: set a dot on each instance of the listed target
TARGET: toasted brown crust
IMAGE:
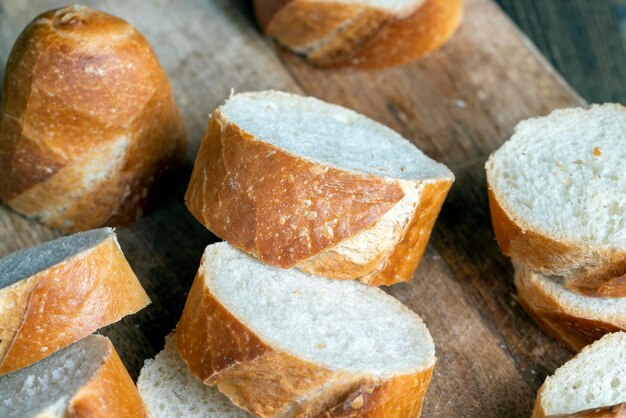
(222, 351)
(289, 211)
(587, 271)
(69, 301)
(360, 36)
(79, 80)
(401, 264)
(573, 331)
(617, 411)
(394, 265)
(111, 393)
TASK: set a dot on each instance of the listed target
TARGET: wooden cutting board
(458, 105)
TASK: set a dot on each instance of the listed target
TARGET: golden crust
(68, 302)
(360, 36)
(573, 331)
(222, 351)
(288, 211)
(616, 411)
(110, 393)
(589, 272)
(78, 80)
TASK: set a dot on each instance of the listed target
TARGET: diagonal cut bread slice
(595, 378)
(573, 319)
(360, 33)
(85, 379)
(299, 182)
(558, 197)
(169, 390)
(284, 343)
(55, 293)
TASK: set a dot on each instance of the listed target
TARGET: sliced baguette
(358, 33)
(86, 379)
(169, 390)
(88, 122)
(299, 182)
(54, 294)
(575, 320)
(284, 343)
(558, 200)
(595, 378)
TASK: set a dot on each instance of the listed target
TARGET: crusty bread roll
(169, 390)
(299, 182)
(86, 379)
(56, 293)
(575, 320)
(284, 343)
(595, 378)
(558, 200)
(88, 122)
(360, 33)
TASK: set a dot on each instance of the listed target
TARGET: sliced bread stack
(557, 195)
(308, 195)
(52, 297)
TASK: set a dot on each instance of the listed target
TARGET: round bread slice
(169, 390)
(86, 379)
(360, 33)
(88, 123)
(558, 197)
(284, 343)
(54, 294)
(574, 319)
(595, 378)
(299, 182)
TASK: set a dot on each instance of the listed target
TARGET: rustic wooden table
(458, 105)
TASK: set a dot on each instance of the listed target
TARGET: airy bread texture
(575, 320)
(88, 123)
(169, 390)
(284, 343)
(299, 182)
(54, 294)
(86, 379)
(558, 205)
(595, 378)
(360, 33)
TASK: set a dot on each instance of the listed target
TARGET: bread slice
(360, 33)
(595, 378)
(284, 343)
(299, 182)
(575, 320)
(169, 390)
(54, 294)
(88, 122)
(556, 192)
(86, 379)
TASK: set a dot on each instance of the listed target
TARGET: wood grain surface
(457, 105)
(585, 40)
